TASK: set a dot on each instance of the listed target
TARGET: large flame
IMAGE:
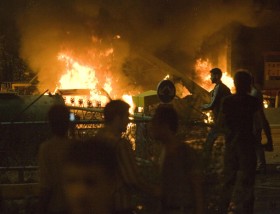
(78, 76)
(81, 76)
(228, 80)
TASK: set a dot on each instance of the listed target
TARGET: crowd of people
(100, 175)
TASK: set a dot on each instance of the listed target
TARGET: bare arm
(209, 106)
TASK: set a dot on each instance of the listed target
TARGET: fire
(77, 76)
(228, 80)
(108, 85)
(202, 68)
(209, 118)
(166, 77)
(80, 76)
(128, 99)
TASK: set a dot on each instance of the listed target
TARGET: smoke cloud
(171, 29)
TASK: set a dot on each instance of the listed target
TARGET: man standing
(259, 125)
(181, 175)
(116, 116)
(237, 117)
(50, 160)
(217, 94)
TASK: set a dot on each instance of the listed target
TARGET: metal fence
(20, 144)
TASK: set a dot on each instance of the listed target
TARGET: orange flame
(202, 68)
(79, 76)
(128, 99)
(228, 80)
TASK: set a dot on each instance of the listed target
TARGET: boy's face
(87, 189)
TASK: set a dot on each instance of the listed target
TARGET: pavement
(267, 188)
(267, 192)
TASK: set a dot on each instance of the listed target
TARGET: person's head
(58, 116)
(242, 82)
(216, 75)
(89, 176)
(116, 113)
(165, 121)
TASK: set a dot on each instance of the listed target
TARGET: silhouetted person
(89, 178)
(181, 176)
(50, 156)
(116, 116)
(238, 114)
(260, 124)
(217, 94)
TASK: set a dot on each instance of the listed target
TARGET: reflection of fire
(202, 68)
(78, 76)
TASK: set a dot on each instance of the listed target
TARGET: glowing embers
(209, 117)
(266, 103)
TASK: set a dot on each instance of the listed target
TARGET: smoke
(48, 27)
